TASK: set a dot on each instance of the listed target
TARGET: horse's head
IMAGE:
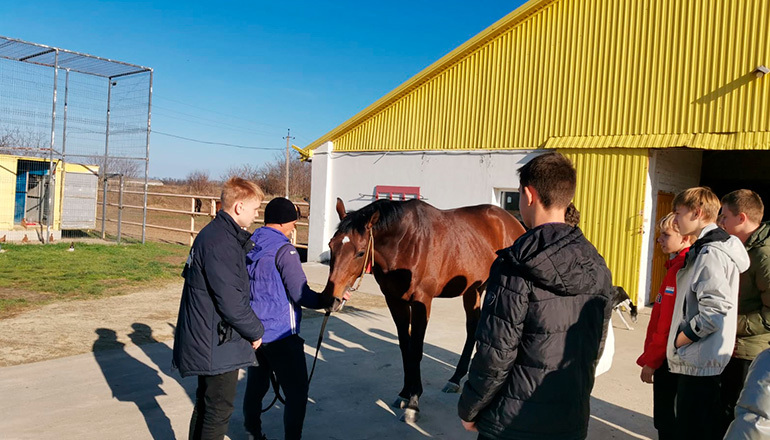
(352, 249)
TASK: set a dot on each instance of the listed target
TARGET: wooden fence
(200, 207)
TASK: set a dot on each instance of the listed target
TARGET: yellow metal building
(647, 98)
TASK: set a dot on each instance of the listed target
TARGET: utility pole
(288, 141)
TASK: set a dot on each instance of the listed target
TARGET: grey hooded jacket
(752, 413)
(706, 307)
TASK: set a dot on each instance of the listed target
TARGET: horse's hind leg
(472, 305)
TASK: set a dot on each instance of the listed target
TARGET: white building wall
(446, 180)
(671, 170)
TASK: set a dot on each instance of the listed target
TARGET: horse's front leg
(472, 306)
(401, 314)
(420, 313)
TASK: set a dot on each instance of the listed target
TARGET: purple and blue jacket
(278, 284)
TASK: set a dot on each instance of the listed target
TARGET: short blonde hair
(667, 223)
(237, 189)
(699, 197)
(745, 201)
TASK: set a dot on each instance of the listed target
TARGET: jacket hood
(759, 237)
(735, 250)
(558, 258)
(265, 238)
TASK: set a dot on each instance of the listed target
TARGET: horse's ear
(340, 209)
(373, 219)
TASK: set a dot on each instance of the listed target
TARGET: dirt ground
(146, 316)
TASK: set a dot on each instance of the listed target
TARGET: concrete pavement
(130, 393)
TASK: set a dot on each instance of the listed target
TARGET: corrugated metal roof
(571, 69)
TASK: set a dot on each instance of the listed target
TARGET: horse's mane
(390, 212)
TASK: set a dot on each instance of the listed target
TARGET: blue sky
(242, 72)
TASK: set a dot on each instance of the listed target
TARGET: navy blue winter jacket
(216, 325)
(278, 284)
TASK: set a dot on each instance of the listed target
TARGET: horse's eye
(360, 254)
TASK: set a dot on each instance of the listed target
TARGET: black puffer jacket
(542, 327)
(216, 323)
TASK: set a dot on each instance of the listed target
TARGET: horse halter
(369, 251)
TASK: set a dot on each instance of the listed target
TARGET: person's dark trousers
(664, 387)
(733, 379)
(285, 357)
(699, 407)
(213, 406)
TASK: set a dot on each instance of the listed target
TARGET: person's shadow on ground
(160, 354)
(132, 381)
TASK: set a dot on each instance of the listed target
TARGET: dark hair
(552, 176)
(745, 201)
(390, 212)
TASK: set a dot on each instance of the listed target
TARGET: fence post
(192, 220)
(104, 206)
(120, 206)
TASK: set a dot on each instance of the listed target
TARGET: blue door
(21, 195)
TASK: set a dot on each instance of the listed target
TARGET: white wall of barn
(446, 180)
(670, 170)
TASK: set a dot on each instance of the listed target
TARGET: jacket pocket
(690, 353)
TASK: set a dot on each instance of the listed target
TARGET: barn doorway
(726, 171)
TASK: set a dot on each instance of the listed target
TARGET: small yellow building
(647, 98)
(28, 208)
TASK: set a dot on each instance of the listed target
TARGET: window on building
(509, 200)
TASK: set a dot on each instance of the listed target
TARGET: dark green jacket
(754, 297)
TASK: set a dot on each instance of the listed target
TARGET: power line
(214, 124)
(155, 95)
(245, 147)
(219, 113)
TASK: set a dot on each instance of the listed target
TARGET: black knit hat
(280, 210)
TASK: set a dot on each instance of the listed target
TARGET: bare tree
(131, 168)
(30, 143)
(198, 182)
(245, 171)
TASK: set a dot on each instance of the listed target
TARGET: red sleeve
(660, 322)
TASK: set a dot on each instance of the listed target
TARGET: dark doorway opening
(727, 171)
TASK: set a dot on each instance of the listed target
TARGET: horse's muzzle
(338, 305)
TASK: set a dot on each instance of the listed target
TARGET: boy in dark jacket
(278, 290)
(544, 320)
(742, 213)
(216, 331)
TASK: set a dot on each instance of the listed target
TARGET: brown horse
(418, 253)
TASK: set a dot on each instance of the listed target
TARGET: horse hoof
(400, 403)
(410, 415)
(451, 387)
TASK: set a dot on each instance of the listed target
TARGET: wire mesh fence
(69, 122)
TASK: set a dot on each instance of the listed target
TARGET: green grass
(33, 275)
